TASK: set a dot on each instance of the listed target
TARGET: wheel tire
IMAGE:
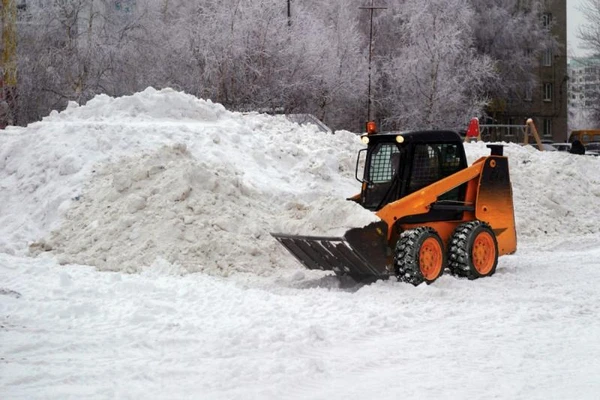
(473, 250)
(419, 256)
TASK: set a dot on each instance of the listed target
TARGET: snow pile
(168, 205)
(147, 106)
(44, 166)
(163, 177)
(554, 193)
(200, 193)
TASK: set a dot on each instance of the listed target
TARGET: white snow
(136, 262)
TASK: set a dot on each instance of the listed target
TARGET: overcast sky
(574, 19)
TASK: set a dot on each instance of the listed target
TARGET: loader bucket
(361, 253)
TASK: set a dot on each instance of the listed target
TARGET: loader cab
(401, 163)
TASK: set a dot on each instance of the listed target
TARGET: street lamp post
(371, 9)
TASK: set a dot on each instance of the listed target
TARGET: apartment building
(584, 83)
(584, 92)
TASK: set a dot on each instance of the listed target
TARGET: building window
(547, 127)
(511, 121)
(124, 5)
(547, 92)
(547, 58)
(546, 20)
(528, 94)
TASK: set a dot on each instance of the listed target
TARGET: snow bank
(147, 106)
(44, 166)
(162, 176)
(202, 192)
(168, 205)
(555, 193)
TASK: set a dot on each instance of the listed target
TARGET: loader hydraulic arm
(420, 202)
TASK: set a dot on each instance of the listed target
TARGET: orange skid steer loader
(436, 212)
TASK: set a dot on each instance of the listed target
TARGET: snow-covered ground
(136, 262)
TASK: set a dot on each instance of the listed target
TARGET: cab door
(382, 176)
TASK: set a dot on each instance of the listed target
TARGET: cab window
(384, 163)
(433, 162)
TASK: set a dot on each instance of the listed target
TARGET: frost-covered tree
(345, 83)
(250, 56)
(71, 50)
(513, 34)
(48, 48)
(432, 77)
(431, 59)
(589, 33)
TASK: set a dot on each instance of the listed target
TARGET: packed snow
(136, 261)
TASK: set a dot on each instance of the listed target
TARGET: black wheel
(419, 256)
(473, 250)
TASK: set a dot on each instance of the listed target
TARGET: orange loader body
(436, 213)
(491, 203)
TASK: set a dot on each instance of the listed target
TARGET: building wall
(548, 103)
(557, 109)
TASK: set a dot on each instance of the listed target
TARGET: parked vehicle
(593, 149)
(544, 147)
(562, 146)
(585, 136)
(548, 147)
